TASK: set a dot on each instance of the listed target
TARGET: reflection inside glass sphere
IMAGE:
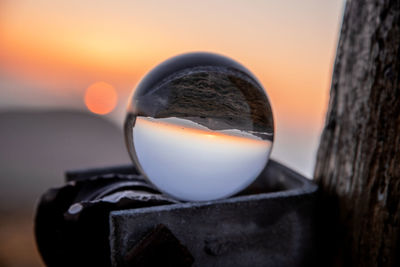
(200, 127)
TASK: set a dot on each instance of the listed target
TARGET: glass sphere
(200, 127)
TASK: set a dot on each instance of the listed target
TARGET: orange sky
(198, 131)
(54, 50)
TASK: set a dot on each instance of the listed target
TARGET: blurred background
(67, 69)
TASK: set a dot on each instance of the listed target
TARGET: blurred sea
(36, 147)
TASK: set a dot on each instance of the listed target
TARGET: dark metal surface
(113, 216)
(276, 228)
(71, 223)
(159, 247)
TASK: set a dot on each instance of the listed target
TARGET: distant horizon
(118, 43)
(280, 155)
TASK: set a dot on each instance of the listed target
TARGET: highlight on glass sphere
(199, 126)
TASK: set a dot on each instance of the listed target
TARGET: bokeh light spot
(101, 98)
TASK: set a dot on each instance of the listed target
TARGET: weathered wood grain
(358, 162)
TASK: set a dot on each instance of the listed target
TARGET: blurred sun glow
(101, 98)
(67, 45)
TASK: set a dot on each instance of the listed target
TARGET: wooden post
(358, 162)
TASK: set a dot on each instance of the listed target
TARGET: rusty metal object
(272, 223)
(159, 247)
(71, 224)
(112, 216)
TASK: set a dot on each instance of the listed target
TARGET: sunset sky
(191, 162)
(51, 52)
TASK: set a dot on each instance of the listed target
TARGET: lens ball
(199, 127)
